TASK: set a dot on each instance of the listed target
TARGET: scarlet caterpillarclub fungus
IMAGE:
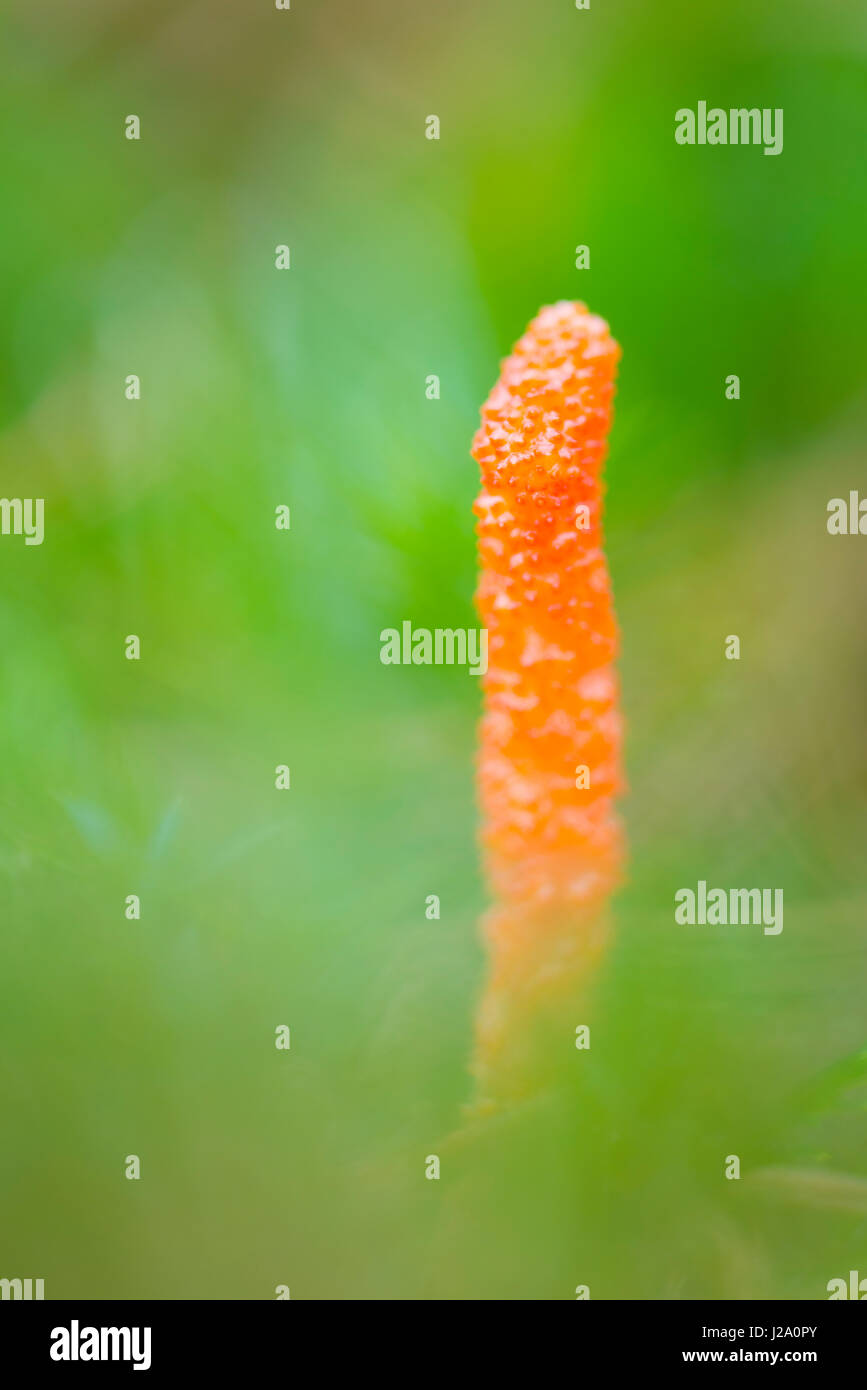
(549, 762)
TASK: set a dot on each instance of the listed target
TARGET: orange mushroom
(549, 763)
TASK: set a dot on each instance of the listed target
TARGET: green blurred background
(306, 387)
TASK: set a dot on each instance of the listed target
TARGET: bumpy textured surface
(552, 850)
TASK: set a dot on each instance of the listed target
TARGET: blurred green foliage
(411, 257)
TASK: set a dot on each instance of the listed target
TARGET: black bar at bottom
(153, 1338)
